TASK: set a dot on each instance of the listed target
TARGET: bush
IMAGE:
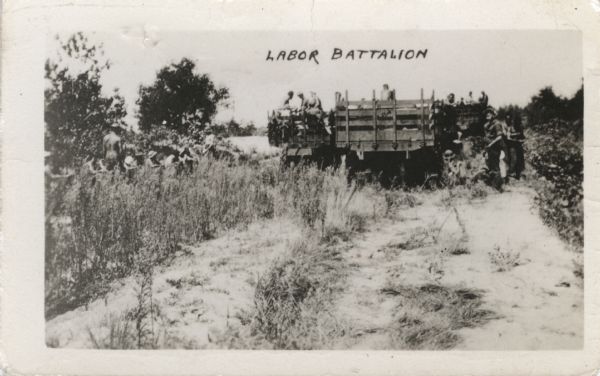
(555, 152)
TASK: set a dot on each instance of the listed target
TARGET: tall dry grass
(99, 227)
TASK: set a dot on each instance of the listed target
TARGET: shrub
(295, 293)
(504, 260)
(555, 152)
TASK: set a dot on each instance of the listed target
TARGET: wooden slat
(365, 119)
(387, 135)
(347, 118)
(399, 103)
(401, 123)
(395, 117)
(368, 112)
(374, 117)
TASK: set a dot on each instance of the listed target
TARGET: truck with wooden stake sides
(400, 141)
(393, 138)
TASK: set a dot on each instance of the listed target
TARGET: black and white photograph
(323, 190)
(300, 188)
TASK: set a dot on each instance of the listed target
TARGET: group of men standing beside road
(116, 157)
(503, 149)
(504, 145)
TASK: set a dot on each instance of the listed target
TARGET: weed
(194, 279)
(435, 268)
(504, 260)
(216, 264)
(459, 250)
(116, 333)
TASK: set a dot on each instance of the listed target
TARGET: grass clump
(97, 226)
(428, 316)
(292, 300)
(115, 333)
(504, 260)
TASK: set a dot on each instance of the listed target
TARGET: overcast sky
(510, 66)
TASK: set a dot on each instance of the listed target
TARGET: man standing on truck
(483, 99)
(386, 94)
(494, 137)
(313, 110)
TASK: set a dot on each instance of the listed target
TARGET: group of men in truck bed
(296, 116)
(454, 122)
(310, 106)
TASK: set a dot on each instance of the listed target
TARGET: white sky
(510, 66)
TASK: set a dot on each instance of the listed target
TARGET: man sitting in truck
(286, 103)
(301, 103)
(451, 101)
(313, 110)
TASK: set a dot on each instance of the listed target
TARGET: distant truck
(400, 140)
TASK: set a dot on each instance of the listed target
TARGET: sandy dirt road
(492, 255)
(536, 304)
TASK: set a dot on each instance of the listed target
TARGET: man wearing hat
(454, 169)
(151, 161)
(287, 100)
(494, 136)
(113, 148)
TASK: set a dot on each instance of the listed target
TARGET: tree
(77, 113)
(249, 129)
(179, 99)
(544, 106)
(575, 106)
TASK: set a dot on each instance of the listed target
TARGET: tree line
(554, 152)
(179, 103)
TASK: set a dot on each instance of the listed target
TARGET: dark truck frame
(394, 138)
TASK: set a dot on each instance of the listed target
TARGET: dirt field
(258, 144)
(441, 273)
